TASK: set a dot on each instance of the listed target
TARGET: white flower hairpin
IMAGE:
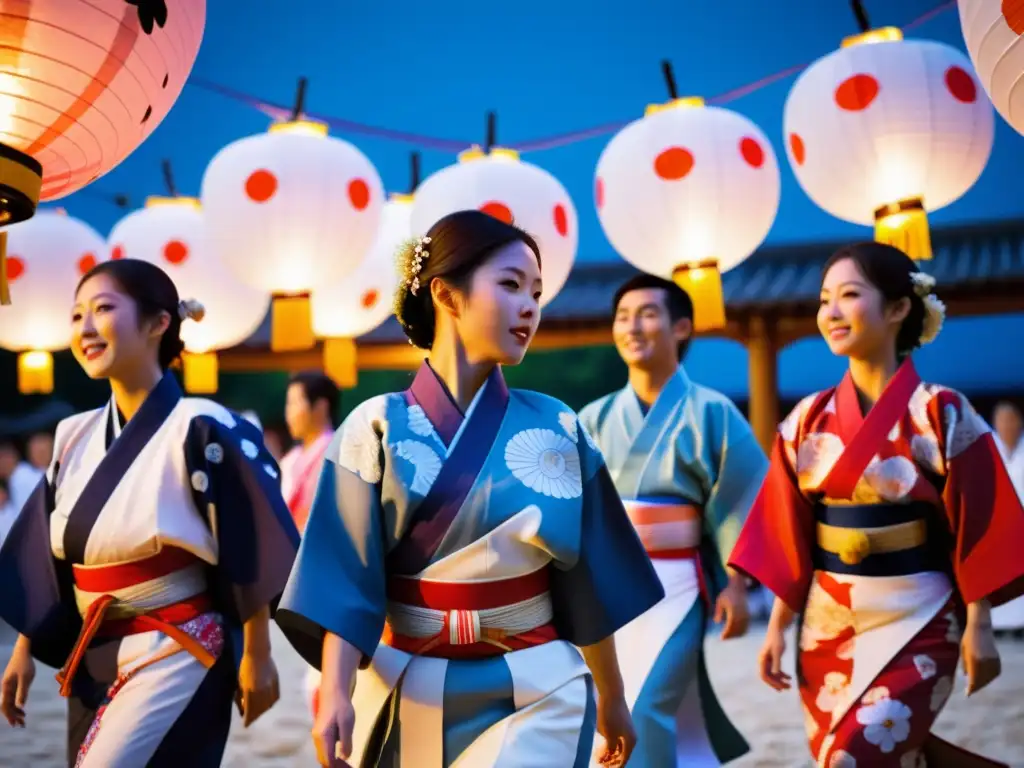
(419, 255)
(934, 309)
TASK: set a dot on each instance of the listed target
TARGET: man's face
(9, 459)
(644, 333)
(1008, 424)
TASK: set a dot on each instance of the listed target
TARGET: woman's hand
(731, 607)
(258, 688)
(769, 659)
(17, 679)
(980, 655)
(332, 729)
(615, 724)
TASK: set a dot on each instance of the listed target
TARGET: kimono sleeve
(36, 589)
(982, 506)
(741, 467)
(237, 483)
(612, 580)
(338, 582)
(775, 544)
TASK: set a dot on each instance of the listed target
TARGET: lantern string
(861, 15)
(300, 100)
(414, 172)
(169, 178)
(670, 79)
(281, 112)
(491, 137)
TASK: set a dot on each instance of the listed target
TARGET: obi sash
(670, 529)
(156, 593)
(469, 620)
(880, 539)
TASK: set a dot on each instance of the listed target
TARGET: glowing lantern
(688, 192)
(992, 30)
(82, 84)
(48, 256)
(497, 182)
(171, 233)
(364, 299)
(288, 211)
(885, 129)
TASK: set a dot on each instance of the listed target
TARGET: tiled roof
(778, 276)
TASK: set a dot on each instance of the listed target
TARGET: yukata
(465, 556)
(688, 469)
(300, 474)
(133, 567)
(878, 529)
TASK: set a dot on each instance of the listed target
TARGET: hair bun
(190, 309)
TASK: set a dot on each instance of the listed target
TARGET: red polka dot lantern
(885, 129)
(288, 211)
(171, 233)
(48, 254)
(363, 300)
(497, 182)
(688, 192)
(992, 30)
(82, 84)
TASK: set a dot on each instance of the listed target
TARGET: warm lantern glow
(170, 232)
(884, 129)
(992, 30)
(289, 211)
(200, 372)
(48, 254)
(35, 373)
(501, 184)
(687, 192)
(363, 300)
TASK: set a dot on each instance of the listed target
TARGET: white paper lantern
(170, 232)
(363, 300)
(992, 30)
(288, 211)
(688, 191)
(500, 184)
(47, 256)
(885, 129)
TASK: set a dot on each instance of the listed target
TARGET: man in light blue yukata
(687, 466)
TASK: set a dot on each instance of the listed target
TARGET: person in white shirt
(1009, 429)
(21, 476)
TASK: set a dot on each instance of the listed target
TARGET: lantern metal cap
(477, 152)
(879, 35)
(401, 197)
(157, 201)
(686, 102)
(300, 127)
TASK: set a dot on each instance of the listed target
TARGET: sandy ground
(992, 722)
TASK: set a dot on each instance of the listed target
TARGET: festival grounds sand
(992, 722)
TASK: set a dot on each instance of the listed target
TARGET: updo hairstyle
(153, 292)
(892, 272)
(453, 249)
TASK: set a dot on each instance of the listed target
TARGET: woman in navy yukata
(146, 564)
(464, 540)
(893, 529)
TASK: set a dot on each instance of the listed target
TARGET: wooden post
(762, 352)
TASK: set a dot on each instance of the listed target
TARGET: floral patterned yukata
(883, 527)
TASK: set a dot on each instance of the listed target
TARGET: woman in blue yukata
(464, 540)
(146, 562)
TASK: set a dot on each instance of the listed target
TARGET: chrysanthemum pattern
(359, 445)
(569, 422)
(425, 461)
(546, 462)
(963, 427)
(890, 479)
(815, 457)
(419, 424)
(833, 692)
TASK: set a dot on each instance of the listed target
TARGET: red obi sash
(462, 634)
(106, 579)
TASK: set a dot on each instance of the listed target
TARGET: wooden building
(772, 299)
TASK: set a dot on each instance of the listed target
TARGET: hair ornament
(419, 255)
(934, 316)
(190, 309)
(923, 283)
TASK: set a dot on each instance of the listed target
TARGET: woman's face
(498, 318)
(854, 317)
(107, 338)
